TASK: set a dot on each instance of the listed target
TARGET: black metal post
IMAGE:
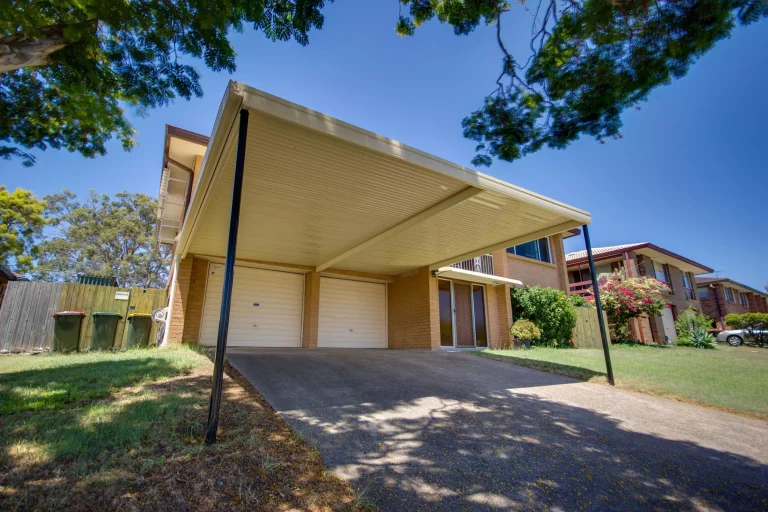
(229, 274)
(599, 306)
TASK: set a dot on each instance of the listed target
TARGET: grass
(729, 378)
(124, 431)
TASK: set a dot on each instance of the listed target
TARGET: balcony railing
(482, 264)
(581, 288)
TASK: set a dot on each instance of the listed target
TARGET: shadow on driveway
(448, 431)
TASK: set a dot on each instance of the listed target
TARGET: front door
(462, 315)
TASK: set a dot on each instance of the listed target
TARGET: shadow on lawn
(576, 372)
(141, 448)
(62, 386)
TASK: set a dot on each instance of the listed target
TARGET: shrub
(549, 309)
(525, 330)
(697, 337)
(688, 321)
(580, 302)
(625, 297)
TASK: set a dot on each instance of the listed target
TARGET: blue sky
(689, 174)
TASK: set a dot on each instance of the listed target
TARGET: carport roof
(323, 193)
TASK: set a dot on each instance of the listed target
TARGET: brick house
(720, 296)
(346, 238)
(644, 259)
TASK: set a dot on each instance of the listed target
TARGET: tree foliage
(66, 67)
(549, 309)
(21, 225)
(624, 298)
(589, 61)
(104, 236)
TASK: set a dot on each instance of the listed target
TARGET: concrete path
(453, 431)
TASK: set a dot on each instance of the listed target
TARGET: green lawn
(124, 431)
(730, 378)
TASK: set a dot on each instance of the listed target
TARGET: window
(661, 272)
(703, 293)
(536, 250)
(743, 300)
(729, 295)
(687, 284)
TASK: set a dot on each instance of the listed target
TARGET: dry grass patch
(139, 446)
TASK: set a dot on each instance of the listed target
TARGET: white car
(737, 336)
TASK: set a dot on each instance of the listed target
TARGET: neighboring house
(7, 275)
(644, 259)
(720, 296)
(346, 238)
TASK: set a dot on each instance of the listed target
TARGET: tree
(589, 61)
(549, 309)
(755, 324)
(625, 298)
(21, 224)
(66, 67)
(104, 236)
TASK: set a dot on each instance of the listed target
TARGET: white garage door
(266, 311)
(353, 314)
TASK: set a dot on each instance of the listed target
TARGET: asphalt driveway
(452, 431)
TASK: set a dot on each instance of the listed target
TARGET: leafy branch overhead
(67, 68)
(587, 62)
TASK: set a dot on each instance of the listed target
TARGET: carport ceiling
(323, 193)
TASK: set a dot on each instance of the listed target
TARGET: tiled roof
(602, 250)
(704, 280)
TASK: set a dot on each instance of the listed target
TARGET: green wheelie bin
(104, 330)
(66, 330)
(139, 327)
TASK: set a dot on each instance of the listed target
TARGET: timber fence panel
(586, 334)
(26, 313)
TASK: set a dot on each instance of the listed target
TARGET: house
(345, 238)
(720, 296)
(6, 275)
(644, 259)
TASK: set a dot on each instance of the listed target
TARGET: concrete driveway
(454, 431)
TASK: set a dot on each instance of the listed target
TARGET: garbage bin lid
(131, 315)
(69, 313)
(107, 313)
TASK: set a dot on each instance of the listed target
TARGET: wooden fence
(26, 313)
(587, 331)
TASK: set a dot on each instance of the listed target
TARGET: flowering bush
(625, 297)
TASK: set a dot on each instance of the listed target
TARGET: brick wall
(311, 309)
(188, 301)
(413, 314)
(532, 272)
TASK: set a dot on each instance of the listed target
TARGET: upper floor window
(703, 293)
(729, 295)
(536, 249)
(688, 285)
(743, 300)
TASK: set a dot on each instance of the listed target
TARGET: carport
(285, 187)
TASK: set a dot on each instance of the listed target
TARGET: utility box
(104, 330)
(139, 327)
(66, 330)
